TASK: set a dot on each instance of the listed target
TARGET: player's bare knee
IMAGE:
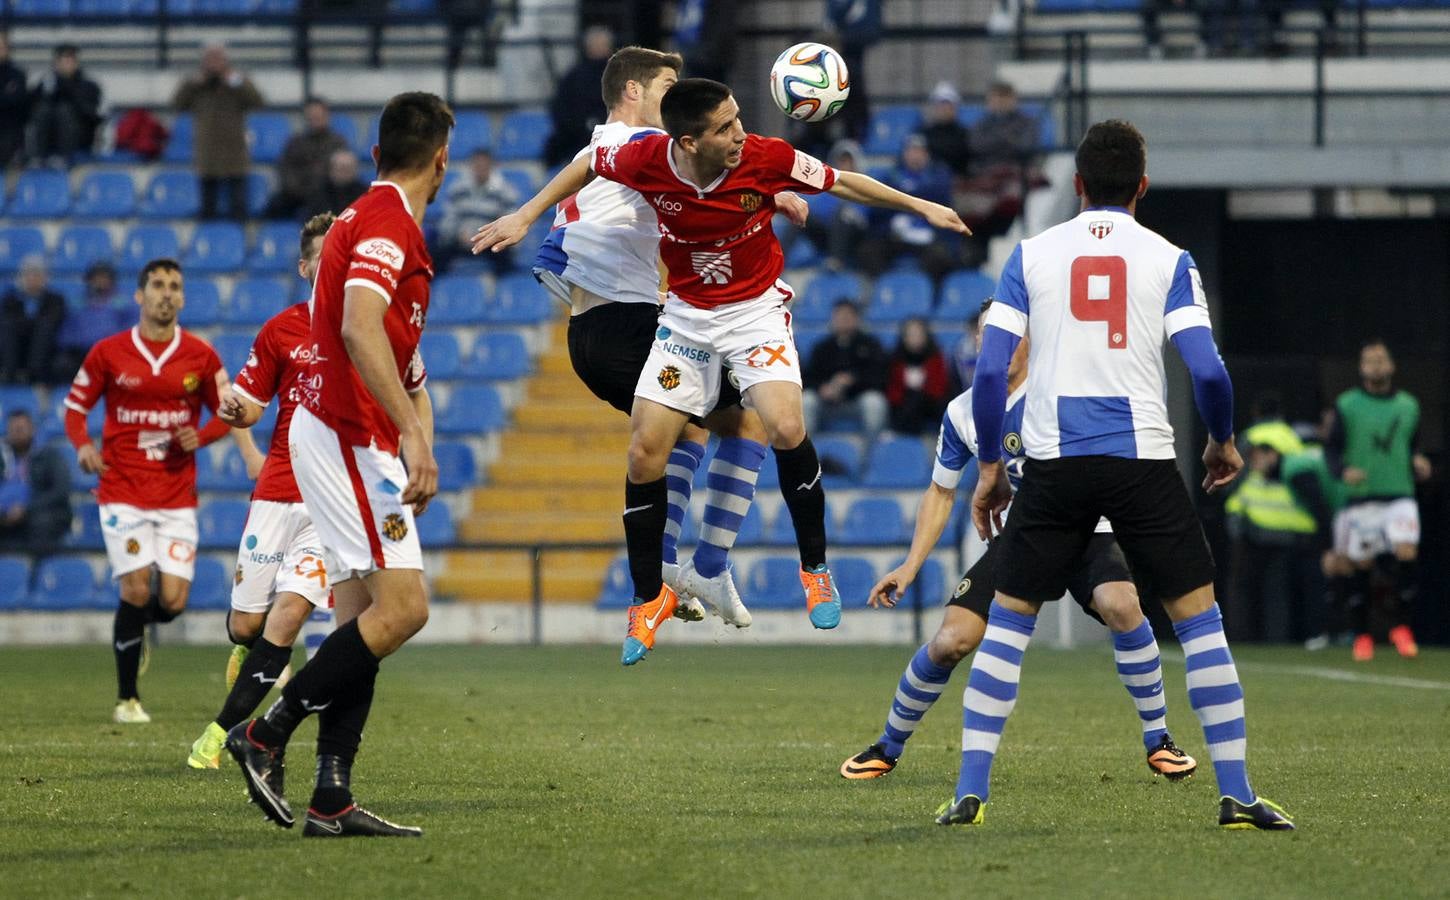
(647, 459)
(135, 591)
(1117, 603)
(786, 432)
(243, 628)
(950, 646)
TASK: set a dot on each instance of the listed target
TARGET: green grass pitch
(713, 772)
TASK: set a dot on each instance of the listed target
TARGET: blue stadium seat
(520, 301)
(472, 409)
(456, 467)
(471, 130)
(898, 463)
(806, 339)
(521, 180)
(147, 242)
(440, 354)
(969, 114)
(259, 191)
(962, 293)
(899, 296)
(276, 249)
(781, 531)
(366, 139)
(39, 194)
(522, 135)
(40, 9)
(86, 523)
(769, 474)
(803, 253)
(947, 338)
(267, 133)
(15, 575)
(105, 195)
(78, 247)
(228, 474)
(617, 592)
(171, 195)
(255, 300)
(456, 300)
(840, 461)
(103, 7)
(211, 587)
(216, 247)
(346, 127)
(498, 356)
(822, 293)
(873, 520)
(854, 577)
(179, 147)
(774, 583)
(435, 527)
(18, 243)
(233, 348)
(79, 480)
(930, 582)
(19, 396)
(276, 7)
(63, 582)
(889, 128)
(221, 522)
(203, 302)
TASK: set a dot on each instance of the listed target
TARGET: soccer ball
(809, 82)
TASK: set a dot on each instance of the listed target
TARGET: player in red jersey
(713, 187)
(155, 378)
(352, 432)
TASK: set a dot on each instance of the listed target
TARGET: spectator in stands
(342, 185)
(30, 319)
(846, 374)
(219, 98)
(946, 137)
(705, 36)
(937, 250)
(1003, 167)
(34, 490)
(103, 313)
(484, 196)
(304, 162)
(65, 110)
(14, 105)
(577, 105)
(1005, 135)
(918, 384)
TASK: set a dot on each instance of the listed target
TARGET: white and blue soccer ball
(809, 82)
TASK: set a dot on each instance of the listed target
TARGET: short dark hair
(317, 225)
(65, 50)
(847, 303)
(155, 265)
(313, 98)
(1111, 160)
(413, 127)
(639, 64)
(686, 107)
(17, 413)
(986, 305)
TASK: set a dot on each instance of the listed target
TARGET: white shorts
(1367, 530)
(693, 347)
(279, 552)
(355, 498)
(137, 538)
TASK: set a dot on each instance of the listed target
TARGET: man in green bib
(1373, 448)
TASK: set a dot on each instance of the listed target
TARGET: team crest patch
(1100, 229)
(749, 201)
(962, 587)
(191, 381)
(669, 377)
(394, 528)
(133, 546)
(237, 579)
(1012, 443)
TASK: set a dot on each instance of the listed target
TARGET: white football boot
(129, 712)
(689, 608)
(719, 592)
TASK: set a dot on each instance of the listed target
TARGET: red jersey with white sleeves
(279, 356)
(377, 245)
(151, 389)
(716, 241)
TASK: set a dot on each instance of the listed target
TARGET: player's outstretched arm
(367, 346)
(932, 514)
(859, 188)
(510, 229)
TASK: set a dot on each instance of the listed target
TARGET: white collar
(156, 361)
(402, 195)
(701, 191)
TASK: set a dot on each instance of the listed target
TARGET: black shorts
(1100, 563)
(1059, 504)
(609, 345)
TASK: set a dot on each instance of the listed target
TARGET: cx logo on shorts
(394, 528)
(765, 356)
(314, 568)
(181, 551)
(133, 546)
(669, 377)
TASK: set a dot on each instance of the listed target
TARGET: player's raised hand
(1223, 463)
(187, 439)
(422, 469)
(501, 233)
(890, 589)
(938, 216)
(991, 498)
(793, 208)
(89, 459)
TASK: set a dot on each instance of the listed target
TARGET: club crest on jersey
(1012, 443)
(749, 201)
(1100, 229)
(669, 377)
(191, 382)
(133, 546)
(394, 528)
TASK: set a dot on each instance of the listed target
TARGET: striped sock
(729, 490)
(1217, 698)
(991, 694)
(679, 481)
(1141, 672)
(920, 686)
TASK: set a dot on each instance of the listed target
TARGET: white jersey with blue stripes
(956, 443)
(606, 238)
(1098, 295)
